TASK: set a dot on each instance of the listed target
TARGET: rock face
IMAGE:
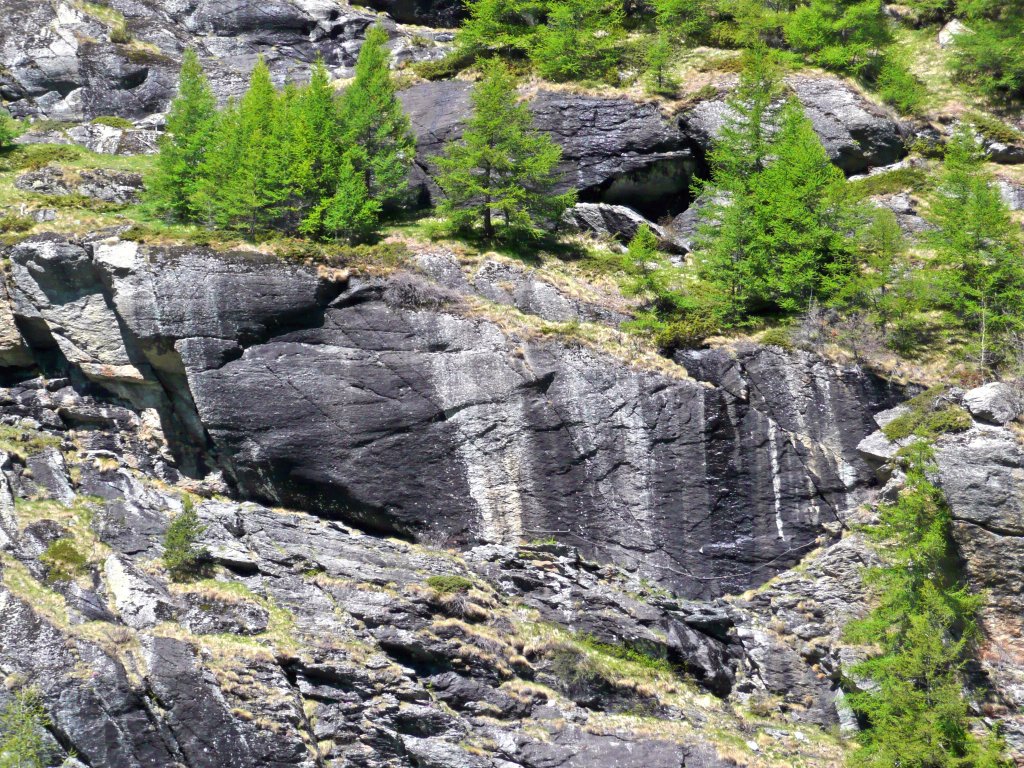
(312, 644)
(609, 221)
(856, 133)
(614, 150)
(442, 426)
(59, 60)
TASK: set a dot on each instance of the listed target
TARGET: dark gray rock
(607, 221)
(431, 13)
(107, 186)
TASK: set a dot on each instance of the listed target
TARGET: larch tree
(173, 190)
(373, 119)
(978, 272)
(502, 167)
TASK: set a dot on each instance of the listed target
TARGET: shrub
(182, 558)
(23, 724)
(11, 222)
(777, 337)
(898, 86)
(63, 560)
(8, 128)
(928, 417)
(119, 33)
(448, 584)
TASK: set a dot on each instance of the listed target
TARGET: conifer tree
(184, 146)
(502, 166)
(372, 119)
(841, 35)
(774, 236)
(251, 181)
(500, 26)
(978, 272)
(686, 19)
(317, 146)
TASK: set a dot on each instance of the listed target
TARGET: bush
(8, 128)
(777, 337)
(929, 417)
(23, 724)
(182, 558)
(11, 222)
(898, 86)
(449, 584)
(63, 560)
(119, 33)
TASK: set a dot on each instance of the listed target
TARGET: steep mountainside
(453, 512)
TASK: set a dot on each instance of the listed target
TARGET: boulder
(996, 402)
(607, 221)
(1012, 194)
(857, 133)
(950, 30)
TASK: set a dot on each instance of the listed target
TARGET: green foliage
(299, 160)
(924, 625)
(63, 560)
(776, 337)
(683, 19)
(905, 179)
(658, 60)
(32, 157)
(580, 39)
(182, 557)
(672, 317)
(175, 184)
(775, 236)
(8, 128)
(630, 653)
(372, 120)
(977, 275)
(119, 33)
(12, 222)
(841, 35)
(990, 56)
(502, 167)
(23, 724)
(897, 86)
(448, 584)
(563, 39)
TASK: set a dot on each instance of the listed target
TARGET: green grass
(928, 418)
(906, 179)
(114, 122)
(25, 442)
(449, 584)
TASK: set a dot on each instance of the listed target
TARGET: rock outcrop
(439, 424)
(307, 643)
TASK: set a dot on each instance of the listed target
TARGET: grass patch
(449, 584)
(114, 122)
(928, 417)
(63, 560)
(906, 179)
(25, 442)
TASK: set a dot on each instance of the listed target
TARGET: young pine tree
(502, 166)
(317, 148)
(842, 35)
(183, 556)
(659, 56)
(174, 189)
(688, 20)
(8, 129)
(500, 26)
(977, 273)
(372, 119)
(991, 56)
